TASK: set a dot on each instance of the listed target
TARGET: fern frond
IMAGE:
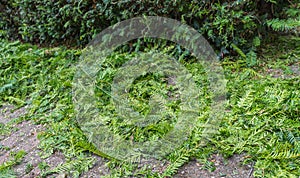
(87, 146)
(284, 24)
(238, 50)
(76, 166)
(291, 138)
(7, 173)
(181, 158)
(286, 154)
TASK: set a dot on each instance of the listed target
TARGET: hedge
(76, 22)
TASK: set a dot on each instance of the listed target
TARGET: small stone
(62, 176)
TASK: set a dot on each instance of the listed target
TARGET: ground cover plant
(262, 118)
(261, 123)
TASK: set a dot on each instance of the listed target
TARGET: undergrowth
(262, 118)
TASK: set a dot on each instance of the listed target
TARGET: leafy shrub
(75, 22)
(290, 22)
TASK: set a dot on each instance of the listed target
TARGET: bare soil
(24, 138)
(232, 167)
(279, 73)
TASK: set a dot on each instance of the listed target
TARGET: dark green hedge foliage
(75, 22)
